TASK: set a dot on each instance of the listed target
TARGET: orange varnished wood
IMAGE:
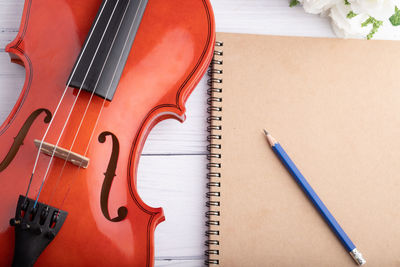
(170, 54)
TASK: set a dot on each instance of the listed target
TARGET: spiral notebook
(334, 105)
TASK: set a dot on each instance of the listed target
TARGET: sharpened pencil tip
(270, 139)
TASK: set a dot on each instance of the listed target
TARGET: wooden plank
(178, 263)
(10, 17)
(9, 69)
(178, 184)
(10, 13)
(12, 78)
(6, 36)
(268, 17)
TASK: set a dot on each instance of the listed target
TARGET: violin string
(103, 104)
(59, 103)
(87, 107)
(72, 108)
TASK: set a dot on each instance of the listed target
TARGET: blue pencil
(320, 206)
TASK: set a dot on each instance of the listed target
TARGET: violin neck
(102, 59)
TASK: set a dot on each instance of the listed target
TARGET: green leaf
(346, 2)
(395, 18)
(351, 14)
(369, 20)
(375, 26)
(294, 3)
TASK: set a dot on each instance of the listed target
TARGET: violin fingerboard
(104, 54)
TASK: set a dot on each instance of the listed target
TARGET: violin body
(108, 224)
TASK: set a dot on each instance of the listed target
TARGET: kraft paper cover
(334, 106)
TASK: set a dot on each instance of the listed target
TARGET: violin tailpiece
(35, 227)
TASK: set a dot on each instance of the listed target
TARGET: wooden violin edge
(18, 56)
(176, 111)
(173, 107)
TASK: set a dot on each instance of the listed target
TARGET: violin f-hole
(19, 139)
(108, 179)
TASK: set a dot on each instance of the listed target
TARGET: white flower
(379, 9)
(318, 6)
(348, 27)
(354, 18)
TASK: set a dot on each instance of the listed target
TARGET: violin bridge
(62, 153)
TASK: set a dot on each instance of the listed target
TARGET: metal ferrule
(357, 256)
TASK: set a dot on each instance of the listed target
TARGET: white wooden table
(172, 170)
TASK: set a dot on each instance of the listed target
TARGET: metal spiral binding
(213, 156)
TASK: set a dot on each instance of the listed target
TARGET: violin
(99, 76)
